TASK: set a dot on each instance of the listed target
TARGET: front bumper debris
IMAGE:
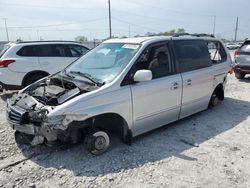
(46, 127)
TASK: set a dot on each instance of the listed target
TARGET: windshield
(5, 48)
(104, 62)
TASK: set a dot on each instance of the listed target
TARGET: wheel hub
(100, 143)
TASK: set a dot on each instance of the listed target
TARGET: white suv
(23, 63)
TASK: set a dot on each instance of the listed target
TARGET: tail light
(237, 53)
(6, 62)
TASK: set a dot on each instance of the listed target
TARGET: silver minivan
(125, 86)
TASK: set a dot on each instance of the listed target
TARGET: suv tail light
(237, 53)
(6, 62)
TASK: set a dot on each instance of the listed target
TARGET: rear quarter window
(192, 54)
(217, 52)
(27, 51)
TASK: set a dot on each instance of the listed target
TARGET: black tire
(214, 100)
(97, 143)
(33, 78)
(239, 75)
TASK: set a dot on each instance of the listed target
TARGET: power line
(155, 19)
(53, 7)
(55, 25)
(147, 28)
(167, 9)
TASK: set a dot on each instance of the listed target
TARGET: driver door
(156, 102)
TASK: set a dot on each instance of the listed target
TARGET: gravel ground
(209, 149)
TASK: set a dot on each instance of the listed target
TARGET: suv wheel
(239, 75)
(33, 78)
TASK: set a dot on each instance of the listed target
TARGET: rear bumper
(10, 80)
(245, 69)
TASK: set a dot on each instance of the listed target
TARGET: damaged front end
(29, 111)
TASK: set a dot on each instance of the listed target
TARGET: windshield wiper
(66, 74)
(89, 77)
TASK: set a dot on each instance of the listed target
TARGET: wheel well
(219, 91)
(32, 73)
(114, 123)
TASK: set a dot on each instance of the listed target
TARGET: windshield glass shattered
(104, 62)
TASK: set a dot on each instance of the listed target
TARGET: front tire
(97, 143)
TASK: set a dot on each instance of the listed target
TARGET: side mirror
(143, 75)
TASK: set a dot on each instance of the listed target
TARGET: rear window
(245, 47)
(5, 48)
(192, 54)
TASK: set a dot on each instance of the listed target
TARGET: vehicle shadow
(246, 79)
(165, 142)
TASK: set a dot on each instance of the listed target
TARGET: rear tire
(239, 75)
(214, 100)
(33, 78)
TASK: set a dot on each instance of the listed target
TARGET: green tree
(81, 39)
(181, 30)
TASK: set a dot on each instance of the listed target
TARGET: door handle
(175, 85)
(188, 82)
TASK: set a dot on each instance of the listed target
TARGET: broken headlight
(55, 119)
(38, 116)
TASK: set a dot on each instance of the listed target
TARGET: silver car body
(144, 105)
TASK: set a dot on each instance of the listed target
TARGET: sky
(67, 19)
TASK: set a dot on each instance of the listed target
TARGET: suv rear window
(192, 54)
(5, 48)
(245, 49)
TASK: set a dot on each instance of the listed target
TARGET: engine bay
(56, 90)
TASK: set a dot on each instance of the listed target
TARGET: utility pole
(214, 25)
(236, 29)
(37, 33)
(129, 31)
(6, 28)
(110, 31)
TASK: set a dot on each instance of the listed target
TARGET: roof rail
(181, 34)
(194, 35)
(203, 35)
(46, 41)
